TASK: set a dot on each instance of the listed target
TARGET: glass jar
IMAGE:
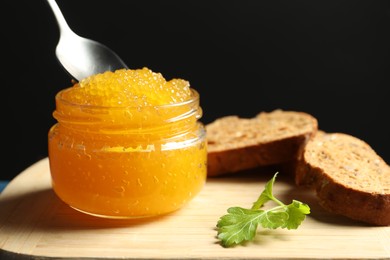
(127, 162)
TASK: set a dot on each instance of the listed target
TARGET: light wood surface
(34, 223)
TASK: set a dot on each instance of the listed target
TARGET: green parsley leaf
(266, 195)
(241, 224)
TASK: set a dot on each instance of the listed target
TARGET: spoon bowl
(82, 57)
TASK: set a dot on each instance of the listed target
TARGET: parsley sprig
(241, 224)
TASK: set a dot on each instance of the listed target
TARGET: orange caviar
(127, 144)
(123, 88)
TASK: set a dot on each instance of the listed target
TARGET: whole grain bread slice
(349, 177)
(236, 144)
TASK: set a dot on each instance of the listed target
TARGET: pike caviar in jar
(127, 144)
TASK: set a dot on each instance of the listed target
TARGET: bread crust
(342, 191)
(236, 144)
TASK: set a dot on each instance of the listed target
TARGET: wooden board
(34, 223)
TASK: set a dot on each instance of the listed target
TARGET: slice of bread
(350, 178)
(236, 144)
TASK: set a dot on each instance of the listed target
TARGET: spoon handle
(62, 24)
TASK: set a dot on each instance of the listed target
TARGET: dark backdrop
(327, 58)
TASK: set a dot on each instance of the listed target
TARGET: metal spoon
(82, 57)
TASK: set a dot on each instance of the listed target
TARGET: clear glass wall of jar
(127, 162)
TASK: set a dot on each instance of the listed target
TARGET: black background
(327, 58)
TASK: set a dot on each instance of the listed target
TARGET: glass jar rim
(194, 98)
